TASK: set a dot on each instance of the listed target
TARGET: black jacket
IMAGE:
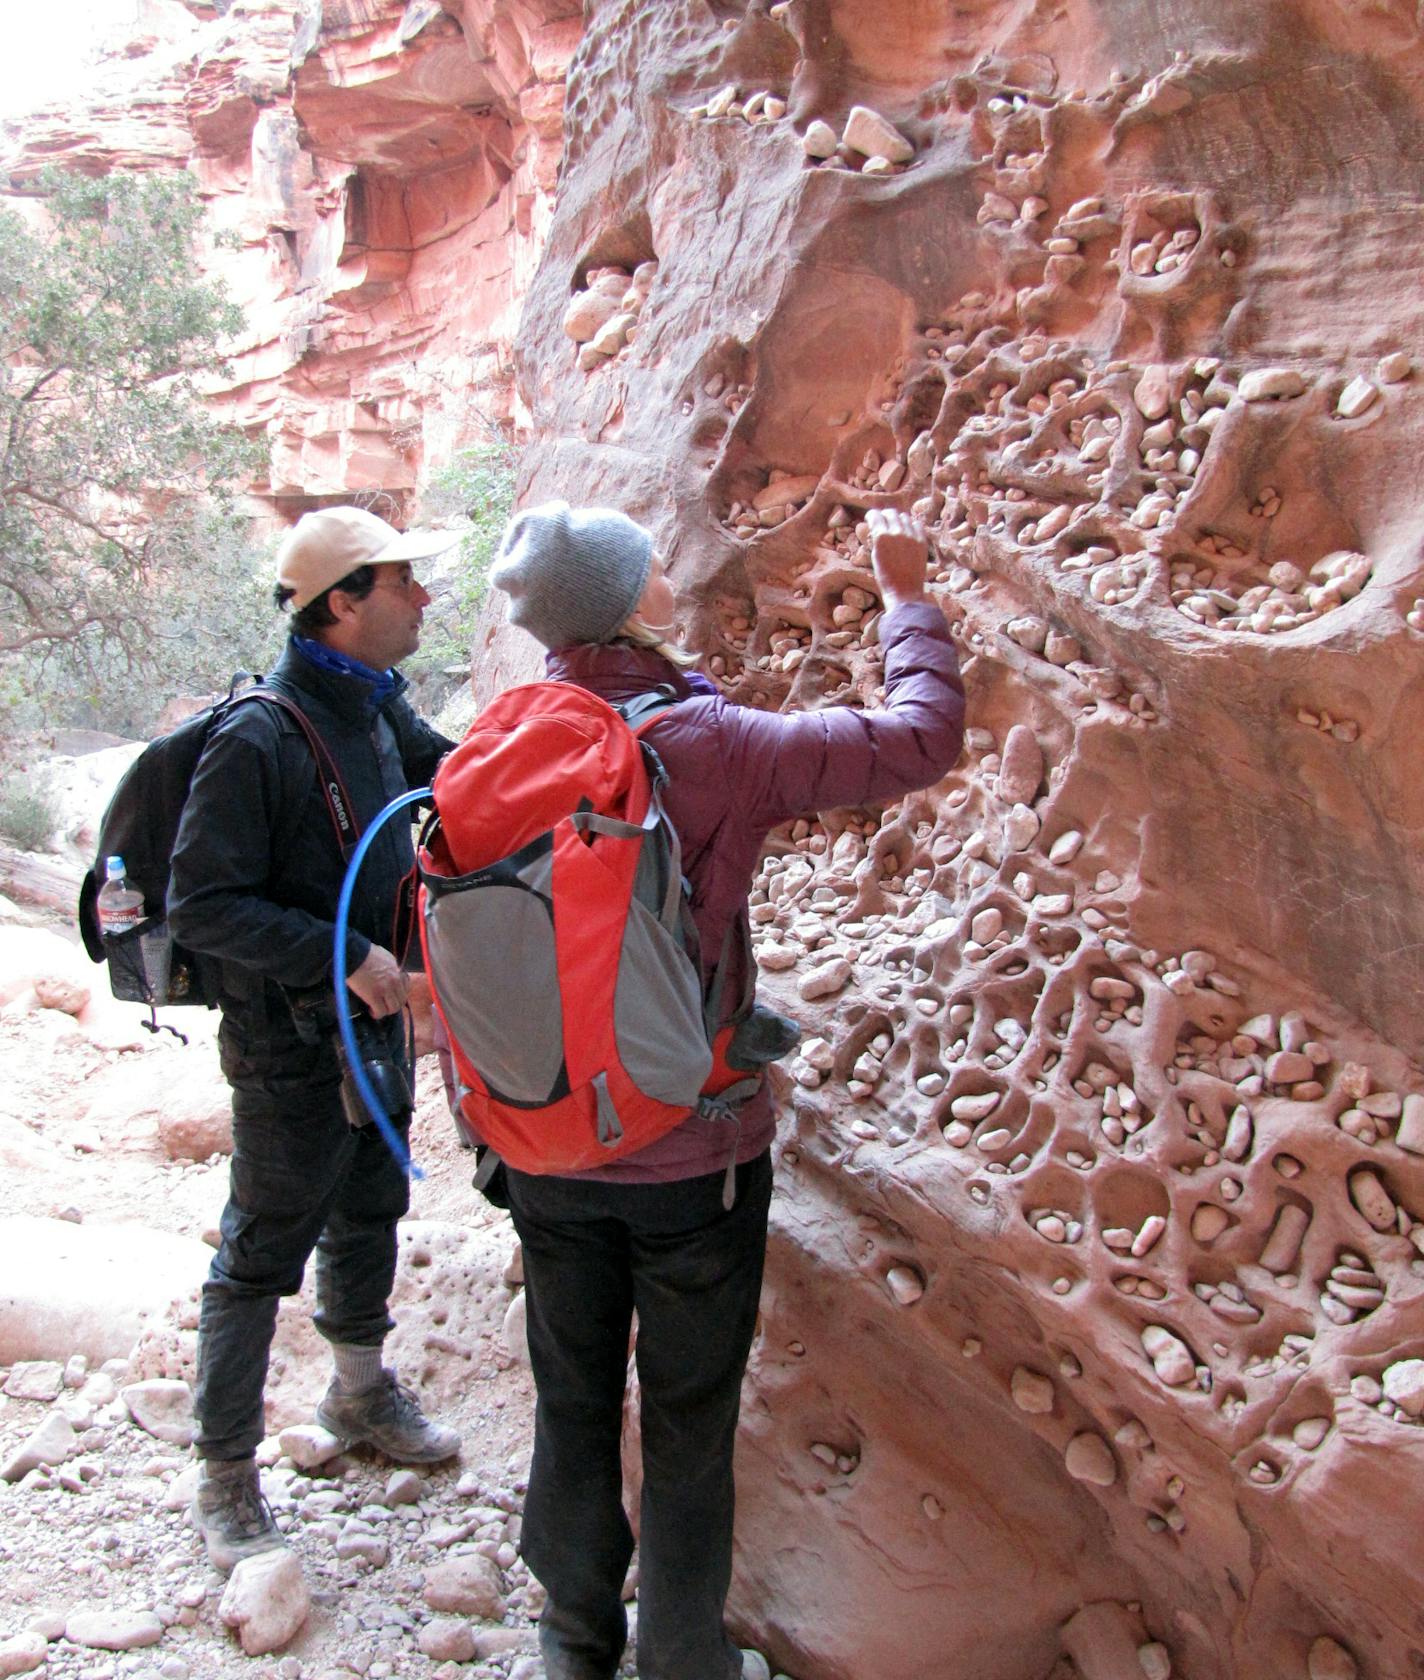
(257, 870)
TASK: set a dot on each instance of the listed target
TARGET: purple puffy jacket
(734, 773)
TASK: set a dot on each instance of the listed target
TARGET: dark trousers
(302, 1179)
(593, 1255)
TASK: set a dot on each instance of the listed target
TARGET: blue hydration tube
(343, 1006)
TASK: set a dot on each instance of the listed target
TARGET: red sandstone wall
(1096, 1274)
(1094, 1299)
(382, 176)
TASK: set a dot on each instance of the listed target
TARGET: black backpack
(141, 825)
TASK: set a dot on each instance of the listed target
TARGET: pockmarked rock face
(1093, 1308)
(1101, 1210)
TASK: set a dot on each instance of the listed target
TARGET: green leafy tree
(477, 485)
(112, 473)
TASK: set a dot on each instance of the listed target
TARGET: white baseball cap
(326, 544)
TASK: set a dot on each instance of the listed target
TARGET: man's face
(386, 624)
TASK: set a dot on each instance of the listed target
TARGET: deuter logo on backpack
(558, 939)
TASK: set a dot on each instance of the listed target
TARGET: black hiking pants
(302, 1180)
(594, 1253)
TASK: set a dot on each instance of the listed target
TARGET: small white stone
(826, 980)
(1153, 393)
(817, 1053)
(819, 140)
(23, 1653)
(1031, 1391)
(1208, 1222)
(1403, 1383)
(868, 133)
(1410, 1134)
(972, 1109)
(1371, 1199)
(1393, 368)
(1357, 397)
(1170, 1356)
(1021, 828)
(50, 1442)
(112, 1629)
(1264, 384)
(1146, 1238)
(266, 1600)
(611, 336)
(1155, 1660)
(905, 1284)
(1029, 632)
(1089, 1458)
(1066, 847)
(163, 1406)
(309, 1445)
(1310, 1432)
(986, 926)
(587, 313)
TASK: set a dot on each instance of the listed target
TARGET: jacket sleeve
(422, 747)
(223, 859)
(785, 765)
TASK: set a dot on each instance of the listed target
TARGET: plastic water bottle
(120, 905)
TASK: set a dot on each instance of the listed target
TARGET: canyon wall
(1092, 1330)
(379, 179)
(1093, 1340)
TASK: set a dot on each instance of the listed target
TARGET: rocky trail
(102, 1230)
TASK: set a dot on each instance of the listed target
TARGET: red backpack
(558, 939)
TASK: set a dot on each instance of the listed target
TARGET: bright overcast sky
(49, 48)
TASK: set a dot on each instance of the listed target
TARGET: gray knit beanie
(572, 574)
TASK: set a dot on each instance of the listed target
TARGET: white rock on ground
(51, 1443)
(308, 1445)
(22, 1654)
(111, 1628)
(266, 1600)
(163, 1407)
(35, 1379)
(468, 1585)
(87, 1289)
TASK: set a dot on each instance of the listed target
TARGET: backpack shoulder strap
(640, 711)
(338, 801)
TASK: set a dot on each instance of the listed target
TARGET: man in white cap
(257, 872)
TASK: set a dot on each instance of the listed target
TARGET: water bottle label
(122, 920)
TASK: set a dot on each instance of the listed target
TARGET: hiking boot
(230, 1513)
(389, 1417)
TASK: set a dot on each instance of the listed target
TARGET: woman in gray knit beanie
(580, 575)
(653, 1230)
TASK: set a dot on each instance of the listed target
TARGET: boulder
(87, 1289)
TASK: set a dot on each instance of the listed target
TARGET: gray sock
(357, 1368)
(227, 1469)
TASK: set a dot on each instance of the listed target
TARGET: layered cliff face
(1096, 1271)
(378, 176)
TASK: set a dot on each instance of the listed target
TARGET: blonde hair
(644, 636)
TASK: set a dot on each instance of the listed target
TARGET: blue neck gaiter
(382, 683)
